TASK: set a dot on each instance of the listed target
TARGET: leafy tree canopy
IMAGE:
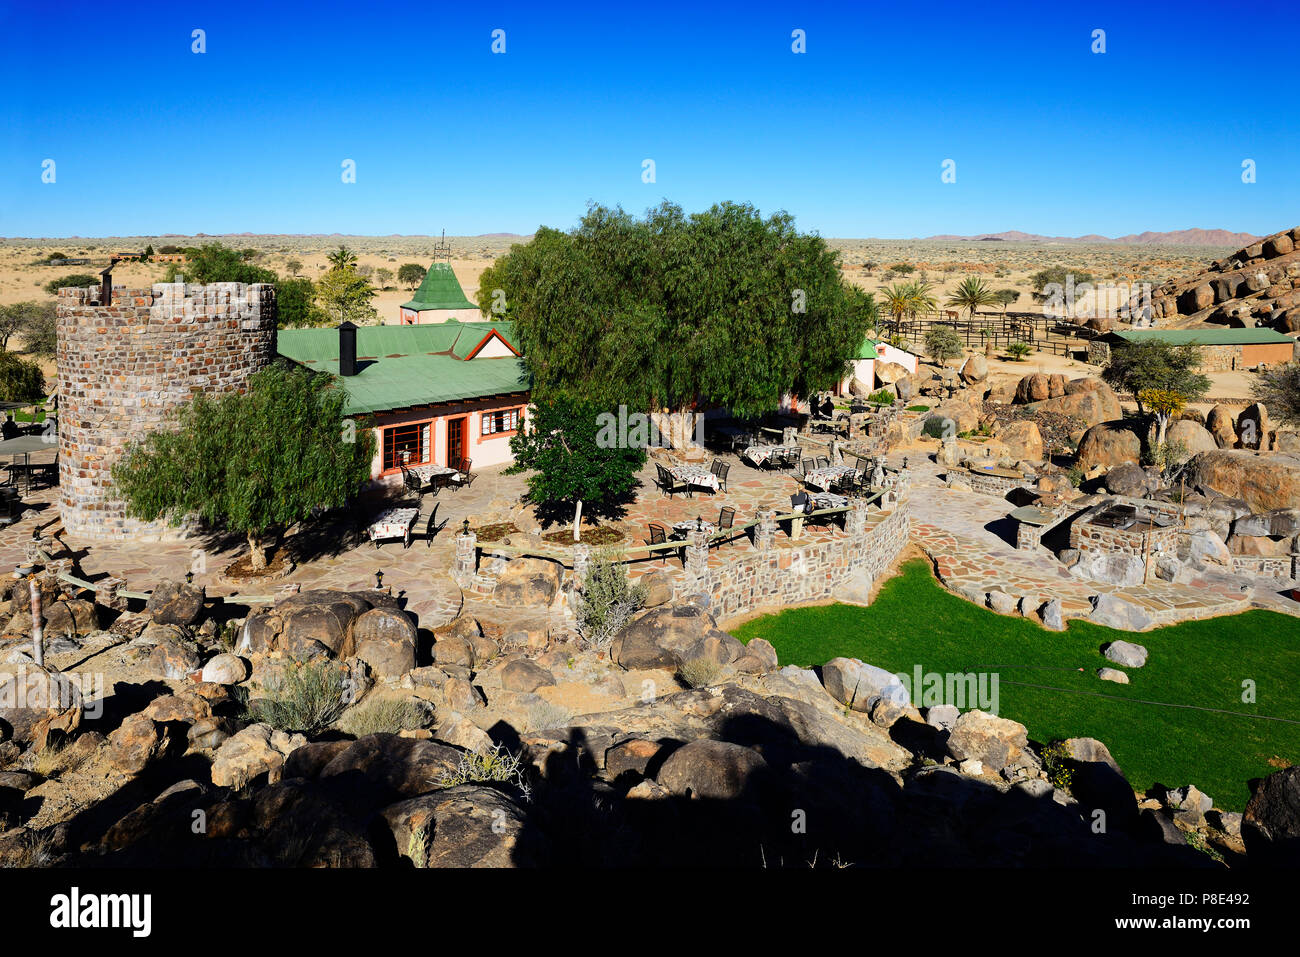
(20, 380)
(723, 305)
(253, 463)
(216, 262)
(1279, 389)
(344, 295)
(567, 461)
(77, 279)
(411, 275)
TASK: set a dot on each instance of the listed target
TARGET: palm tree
(972, 293)
(342, 258)
(920, 300)
(907, 299)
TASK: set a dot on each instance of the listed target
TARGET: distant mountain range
(1179, 237)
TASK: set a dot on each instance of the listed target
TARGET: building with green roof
(1223, 348)
(434, 394)
(440, 298)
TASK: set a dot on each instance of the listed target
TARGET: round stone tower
(126, 364)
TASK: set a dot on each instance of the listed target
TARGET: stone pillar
(765, 530)
(789, 435)
(836, 457)
(1295, 565)
(855, 520)
(106, 593)
(466, 554)
(697, 554)
(581, 562)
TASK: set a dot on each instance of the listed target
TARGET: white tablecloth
(690, 525)
(392, 523)
(695, 475)
(826, 477)
(758, 454)
(829, 500)
(426, 473)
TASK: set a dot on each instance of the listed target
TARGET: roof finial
(442, 249)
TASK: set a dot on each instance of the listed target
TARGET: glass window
(501, 420)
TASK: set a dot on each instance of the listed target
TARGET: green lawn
(1200, 664)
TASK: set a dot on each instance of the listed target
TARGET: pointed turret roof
(440, 290)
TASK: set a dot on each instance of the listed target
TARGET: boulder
(384, 638)
(1128, 479)
(975, 368)
(853, 683)
(525, 676)
(887, 373)
(1253, 427)
(257, 749)
(136, 742)
(658, 585)
(1023, 440)
(465, 826)
(1126, 653)
(1108, 444)
(1270, 827)
(1260, 546)
(225, 669)
(176, 603)
(528, 583)
(942, 716)
(1113, 612)
(709, 769)
(668, 637)
(1091, 406)
(1112, 674)
(1189, 805)
(1207, 548)
(1034, 387)
(1193, 435)
(994, 742)
(1263, 482)
(175, 659)
(1052, 616)
(1001, 602)
(37, 702)
(1278, 523)
(1112, 568)
(1220, 425)
(308, 624)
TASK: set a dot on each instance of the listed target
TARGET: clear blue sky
(1047, 136)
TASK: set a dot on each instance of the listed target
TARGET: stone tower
(126, 364)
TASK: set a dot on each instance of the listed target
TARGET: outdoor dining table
(427, 473)
(827, 476)
(25, 445)
(393, 523)
(823, 500)
(684, 528)
(696, 475)
(758, 454)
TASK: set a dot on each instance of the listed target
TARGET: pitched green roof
(1204, 337)
(440, 290)
(867, 350)
(405, 366)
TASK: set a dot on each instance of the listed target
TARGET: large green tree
(344, 295)
(20, 380)
(216, 262)
(253, 463)
(723, 306)
(569, 457)
(1162, 377)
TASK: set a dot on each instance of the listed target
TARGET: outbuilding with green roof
(1223, 348)
(439, 298)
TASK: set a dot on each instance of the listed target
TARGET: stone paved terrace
(960, 530)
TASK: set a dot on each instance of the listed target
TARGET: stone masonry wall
(780, 577)
(124, 366)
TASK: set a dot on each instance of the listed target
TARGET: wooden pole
(38, 633)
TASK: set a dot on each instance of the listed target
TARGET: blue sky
(849, 137)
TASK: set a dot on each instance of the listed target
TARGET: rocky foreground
(471, 747)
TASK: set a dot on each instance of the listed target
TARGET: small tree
(972, 293)
(295, 303)
(215, 262)
(568, 462)
(344, 295)
(942, 343)
(1018, 350)
(411, 275)
(294, 266)
(342, 258)
(255, 463)
(20, 380)
(1279, 389)
(77, 279)
(38, 328)
(1154, 371)
(385, 277)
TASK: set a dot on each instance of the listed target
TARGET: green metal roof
(1205, 337)
(405, 366)
(867, 350)
(440, 290)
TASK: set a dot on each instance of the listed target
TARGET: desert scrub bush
(938, 427)
(496, 765)
(384, 715)
(1075, 475)
(417, 847)
(545, 715)
(943, 343)
(699, 672)
(1018, 350)
(608, 600)
(306, 698)
(1056, 759)
(881, 397)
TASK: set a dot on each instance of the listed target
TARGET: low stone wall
(1262, 567)
(779, 577)
(985, 483)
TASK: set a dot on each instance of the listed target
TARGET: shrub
(1075, 474)
(1018, 350)
(881, 397)
(307, 698)
(77, 279)
(20, 380)
(918, 408)
(942, 343)
(608, 600)
(383, 715)
(938, 427)
(546, 715)
(1056, 764)
(497, 764)
(699, 672)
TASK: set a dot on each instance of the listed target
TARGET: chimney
(106, 286)
(347, 349)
